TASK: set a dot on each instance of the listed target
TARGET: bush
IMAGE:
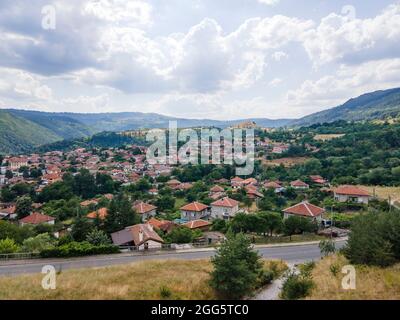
(8, 246)
(265, 277)
(180, 235)
(296, 286)
(98, 237)
(165, 292)
(39, 243)
(76, 249)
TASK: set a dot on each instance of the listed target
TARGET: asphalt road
(291, 254)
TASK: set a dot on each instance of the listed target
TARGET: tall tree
(23, 207)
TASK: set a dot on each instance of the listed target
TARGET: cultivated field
(372, 283)
(148, 280)
(327, 137)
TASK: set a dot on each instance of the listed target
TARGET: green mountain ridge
(380, 104)
(24, 130)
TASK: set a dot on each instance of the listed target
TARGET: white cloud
(269, 2)
(18, 84)
(275, 82)
(279, 55)
(347, 82)
(351, 41)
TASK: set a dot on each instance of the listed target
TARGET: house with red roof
(318, 180)
(195, 211)
(304, 209)
(236, 182)
(299, 185)
(145, 210)
(198, 225)
(348, 193)
(141, 236)
(274, 185)
(37, 218)
(224, 208)
(101, 214)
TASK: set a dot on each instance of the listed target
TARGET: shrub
(334, 269)
(97, 238)
(265, 277)
(327, 247)
(75, 249)
(8, 246)
(165, 292)
(296, 286)
(37, 244)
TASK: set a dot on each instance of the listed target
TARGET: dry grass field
(383, 192)
(287, 162)
(372, 283)
(327, 137)
(148, 280)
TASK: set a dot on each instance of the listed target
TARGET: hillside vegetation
(18, 134)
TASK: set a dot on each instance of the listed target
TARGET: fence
(18, 256)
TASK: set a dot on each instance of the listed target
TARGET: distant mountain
(18, 134)
(375, 105)
(23, 130)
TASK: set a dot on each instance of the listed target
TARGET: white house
(145, 210)
(224, 208)
(349, 193)
(194, 211)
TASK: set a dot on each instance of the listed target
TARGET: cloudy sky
(219, 59)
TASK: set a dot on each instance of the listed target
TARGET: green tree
(297, 225)
(81, 228)
(166, 202)
(9, 174)
(23, 207)
(271, 222)
(97, 237)
(180, 235)
(236, 267)
(120, 214)
(327, 247)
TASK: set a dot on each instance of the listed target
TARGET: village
(116, 195)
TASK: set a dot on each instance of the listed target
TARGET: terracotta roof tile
(225, 202)
(194, 206)
(305, 209)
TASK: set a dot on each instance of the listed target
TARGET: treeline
(99, 140)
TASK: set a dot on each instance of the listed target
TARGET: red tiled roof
(272, 185)
(132, 234)
(88, 202)
(225, 202)
(298, 183)
(36, 218)
(155, 222)
(102, 213)
(194, 206)
(305, 209)
(217, 189)
(173, 181)
(196, 224)
(351, 191)
(237, 179)
(142, 207)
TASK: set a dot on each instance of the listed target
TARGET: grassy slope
(137, 281)
(19, 135)
(372, 283)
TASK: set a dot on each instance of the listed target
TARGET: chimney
(140, 235)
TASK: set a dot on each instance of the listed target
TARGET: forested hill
(375, 105)
(23, 130)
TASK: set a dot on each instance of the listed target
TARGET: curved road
(289, 253)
